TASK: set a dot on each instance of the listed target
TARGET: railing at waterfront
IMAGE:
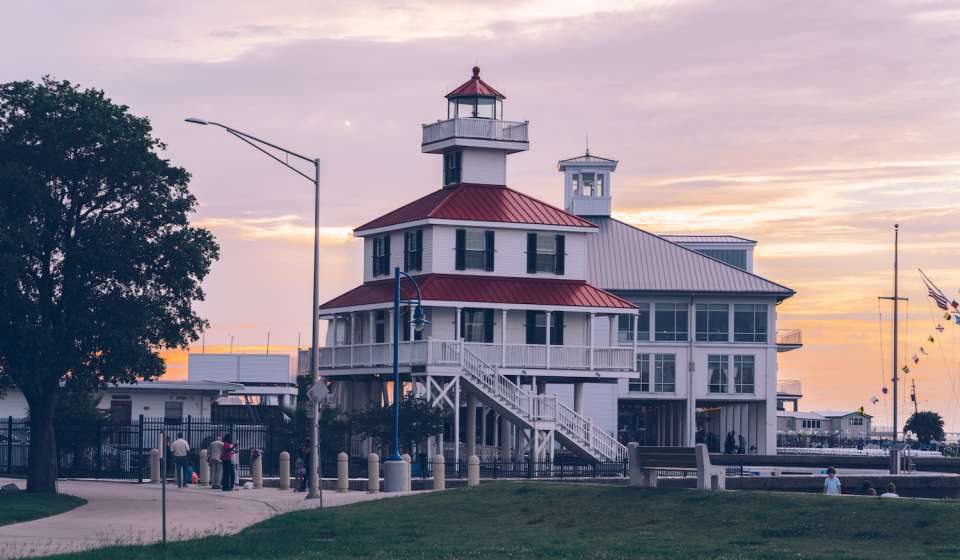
(483, 129)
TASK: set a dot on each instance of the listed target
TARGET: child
(300, 470)
(831, 484)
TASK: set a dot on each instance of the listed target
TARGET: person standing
(229, 473)
(180, 449)
(831, 484)
(729, 443)
(214, 457)
(741, 445)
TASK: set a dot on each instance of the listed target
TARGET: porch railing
(484, 129)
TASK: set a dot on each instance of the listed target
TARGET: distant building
(824, 427)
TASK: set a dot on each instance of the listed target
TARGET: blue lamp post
(395, 468)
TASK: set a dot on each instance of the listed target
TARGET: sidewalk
(129, 513)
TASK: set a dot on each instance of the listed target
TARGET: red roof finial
(476, 72)
(475, 86)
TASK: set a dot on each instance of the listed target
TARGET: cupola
(587, 184)
(475, 99)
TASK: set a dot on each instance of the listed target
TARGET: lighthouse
(475, 139)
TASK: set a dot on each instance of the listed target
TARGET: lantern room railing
(480, 129)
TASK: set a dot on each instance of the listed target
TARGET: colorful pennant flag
(955, 305)
(916, 359)
(884, 390)
(957, 318)
(946, 316)
(935, 293)
(930, 339)
(905, 370)
(939, 328)
(874, 400)
(922, 351)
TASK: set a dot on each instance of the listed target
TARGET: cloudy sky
(811, 127)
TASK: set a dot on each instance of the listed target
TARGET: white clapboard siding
(486, 167)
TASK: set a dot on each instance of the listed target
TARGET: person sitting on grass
(831, 484)
(867, 489)
(891, 491)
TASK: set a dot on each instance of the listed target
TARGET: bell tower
(587, 184)
(475, 139)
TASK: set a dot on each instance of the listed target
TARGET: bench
(646, 461)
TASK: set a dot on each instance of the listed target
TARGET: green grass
(540, 520)
(22, 506)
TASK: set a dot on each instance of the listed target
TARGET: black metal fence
(122, 451)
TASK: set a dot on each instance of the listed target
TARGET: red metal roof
(484, 289)
(479, 203)
(476, 86)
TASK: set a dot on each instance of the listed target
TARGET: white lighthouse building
(552, 328)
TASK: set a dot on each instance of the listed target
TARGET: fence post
(99, 467)
(140, 451)
(189, 428)
(9, 444)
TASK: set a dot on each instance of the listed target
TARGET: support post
(439, 473)
(456, 421)
(204, 468)
(408, 474)
(373, 473)
(471, 425)
(343, 472)
(578, 397)
(503, 338)
(590, 338)
(549, 315)
(284, 468)
(154, 465)
(473, 471)
(256, 468)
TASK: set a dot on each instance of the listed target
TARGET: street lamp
(314, 490)
(394, 468)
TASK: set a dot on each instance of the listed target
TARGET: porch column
(483, 424)
(456, 328)
(348, 335)
(549, 315)
(333, 347)
(456, 421)
(496, 429)
(578, 397)
(504, 439)
(590, 338)
(503, 338)
(373, 334)
(471, 425)
(636, 323)
(410, 328)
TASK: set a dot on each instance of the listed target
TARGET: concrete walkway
(129, 513)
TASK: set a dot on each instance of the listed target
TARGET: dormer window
(381, 255)
(545, 253)
(474, 250)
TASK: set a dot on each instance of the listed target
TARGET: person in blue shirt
(831, 484)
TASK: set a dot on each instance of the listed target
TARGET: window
(643, 368)
(476, 325)
(380, 326)
(406, 318)
(381, 255)
(733, 257)
(341, 333)
(717, 371)
(474, 250)
(172, 412)
(665, 373)
(811, 424)
(575, 183)
(537, 327)
(750, 322)
(452, 166)
(586, 184)
(625, 329)
(856, 421)
(671, 321)
(713, 322)
(413, 250)
(643, 321)
(545, 253)
(743, 380)
(358, 330)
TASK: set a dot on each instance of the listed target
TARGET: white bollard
(439, 473)
(408, 484)
(473, 471)
(343, 472)
(204, 468)
(154, 465)
(284, 471)
(257, 468)
(373, 473)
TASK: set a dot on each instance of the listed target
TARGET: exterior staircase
(540, 412)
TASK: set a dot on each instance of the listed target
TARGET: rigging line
(883, 368)
(951, 376)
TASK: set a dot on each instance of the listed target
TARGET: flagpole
(894, 452)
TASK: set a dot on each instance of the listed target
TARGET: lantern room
(475, 99)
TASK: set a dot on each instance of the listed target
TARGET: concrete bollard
(408, 482)
(284, 471)
(204, 468)
(343, 472)
(154, 465)
(256, 468)
(373, 473)
(439, 473)
(473, 471)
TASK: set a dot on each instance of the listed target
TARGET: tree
(99, 266)
(418, 420)
(927, 425)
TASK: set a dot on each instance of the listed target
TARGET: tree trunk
(42, 460)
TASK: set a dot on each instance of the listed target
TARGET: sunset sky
(811, 127)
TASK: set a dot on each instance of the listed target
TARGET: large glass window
(733, 257)
(625, 329)
(665, 373)
(713, 322)
(380, 326)
(537, 327)
(643, 321)
(671, 321)
(475, 249)
(643, 368)
(743, 380)
(750, 322)
(717, 372)
(477, 325)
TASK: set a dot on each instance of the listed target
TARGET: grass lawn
(22, 506)
(541, 520)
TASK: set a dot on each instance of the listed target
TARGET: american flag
(935, 293)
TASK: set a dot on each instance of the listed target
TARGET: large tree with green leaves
(418, 420)
(99, 266)
(927, 425)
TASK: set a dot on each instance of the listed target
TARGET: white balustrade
(484, 129)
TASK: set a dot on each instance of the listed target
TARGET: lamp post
(394, 468)
(314, 490)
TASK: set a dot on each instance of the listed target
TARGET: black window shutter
(561, 254)
(463, 323)
(556, 329)
(488, 248)
(406, 251)
(461, 258)
(531, 253)
(488, 325)
(531, 327)
(418, 260)
(375, 261)
(385, 266)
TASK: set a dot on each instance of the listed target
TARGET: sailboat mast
(896, 320)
